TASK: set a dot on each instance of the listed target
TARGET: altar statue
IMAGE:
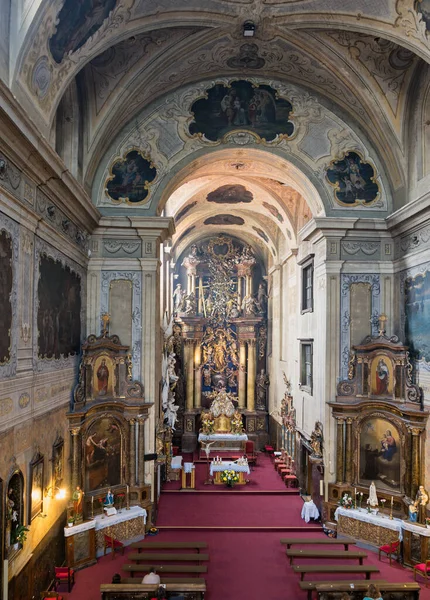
(421, 499)
(236, 423)
(413, 512)
(220, 351)
(263, 382)
(78, 501)
(110, 499)
(178, 297)
(373, 498)
(103, 378)
(190, 304)
(317, 440)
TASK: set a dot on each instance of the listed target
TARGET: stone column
(415, 476)
(348, 451)
(339, 451)
(189, 362)
(132, 463)
(198, 375)
(251, 376)
(76, 442)
(242, 375)
(141, 452)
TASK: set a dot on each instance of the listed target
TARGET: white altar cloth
(310, 511)
(188, 467)
(231, 466)
(380, 520)
(120, 517)
(176, 462)
(68, 531)
(223, 437)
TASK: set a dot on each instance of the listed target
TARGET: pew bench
(161, 569)
(167, 579)
(317, 541)
(310, 586)
(150, 546)
(161, 557)
(292, 554)
(127, 591)
(356, 569)
(408, 591)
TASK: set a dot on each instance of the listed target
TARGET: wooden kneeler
(110, 542)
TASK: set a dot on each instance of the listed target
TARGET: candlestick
(92, 507)
(128, 499)
(391, 500)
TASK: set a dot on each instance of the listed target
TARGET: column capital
(132, 421)
(75, 431)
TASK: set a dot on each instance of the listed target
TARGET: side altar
(222, 426)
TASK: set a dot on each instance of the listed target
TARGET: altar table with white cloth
(310, 511)
(126, 526)
(224, 441)
(217, 468)
(376, 529)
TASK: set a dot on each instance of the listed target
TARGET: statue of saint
(413, 512)
(220, 350)
(261, 299)
(421, 500)
(190, 304)
(317, 440)
(78, 501)
(178, 297)
(103, 378)
(248, 306)
(110, 499)
(262, 385)
(373, 498)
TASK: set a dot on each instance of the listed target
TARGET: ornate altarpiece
(221, 310)
(107, 426)
(381, 426)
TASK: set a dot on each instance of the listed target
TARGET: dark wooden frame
(37, 465)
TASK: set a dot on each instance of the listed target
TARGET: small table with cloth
(310, 511)
(217, 468)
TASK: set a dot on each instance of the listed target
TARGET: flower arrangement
(70, 520)
(359, 498)
(120, 498)
(102, 507)
(427, 521)
(229, 477)
(346, 501)
(19, 534)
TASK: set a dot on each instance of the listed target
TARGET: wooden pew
(310, 586)
(408, 591)
(168, 546)
(292, 554)
(161, 557)
(111, 591)
(303, 569)
(161, 569)
(318, 541)
(167, 579)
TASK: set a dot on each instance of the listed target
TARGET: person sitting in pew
(116, 578)
(373, 593)
(152, 577)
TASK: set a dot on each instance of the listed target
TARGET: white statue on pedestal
(373, 498)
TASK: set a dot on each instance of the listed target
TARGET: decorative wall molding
(12, 228)
(10, 175)
(367, 248)
(345, 298)
(43, 365)
(118, 246)
(136, 333)
(418, 240)
(60, 221)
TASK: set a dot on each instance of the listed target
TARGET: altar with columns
(220, 310)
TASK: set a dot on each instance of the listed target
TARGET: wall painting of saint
(379, 454)
(78, 20)
(130, 178)
(59, 311)
(354, 180)
(241, 106)
(417, 315)
(103, 453)
(6, 280)
(103, 377)
(382, 376)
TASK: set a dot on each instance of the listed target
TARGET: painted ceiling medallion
(130, 178)
(224, 220)
(354, 180)
(230, 194)
(241, 106)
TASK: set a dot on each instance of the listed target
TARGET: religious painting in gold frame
(381, 376)
(103, 376)
(103, 453)
(380, 454)
(35, 505)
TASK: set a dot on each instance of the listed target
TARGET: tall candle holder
(127, 499)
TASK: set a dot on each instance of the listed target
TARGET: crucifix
(105, 324)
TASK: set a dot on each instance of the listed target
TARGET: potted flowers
(70, 521)
(427, 522)
(229, 477)
(19, 536)
(346, 501)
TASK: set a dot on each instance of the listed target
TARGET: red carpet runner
(247, 562)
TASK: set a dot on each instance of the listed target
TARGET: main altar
(218, 341)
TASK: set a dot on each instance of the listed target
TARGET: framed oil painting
(103, 454)
(242, 106)
(59, 310)
(130, 178)
(58, 462)
(417, 315)
(379, 448)
(103, 376)
(5, 296)
(35, 505)
(354, 180)
(382, 376)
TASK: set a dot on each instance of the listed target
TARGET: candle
(92, 500)
(127, 489)
(355, 491)
(391, 500)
